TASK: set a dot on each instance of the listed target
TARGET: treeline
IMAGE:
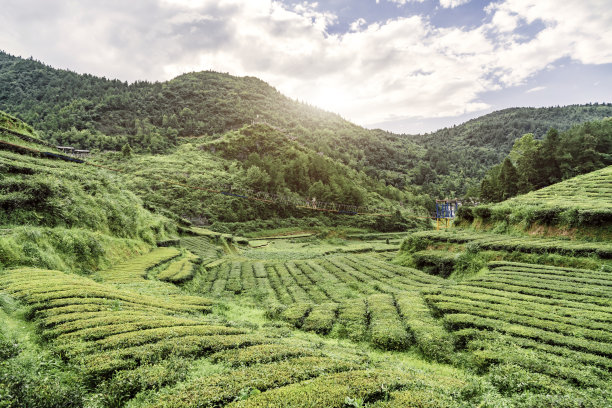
(533, 164)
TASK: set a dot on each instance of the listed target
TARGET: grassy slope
(69, 216)
(579, 206)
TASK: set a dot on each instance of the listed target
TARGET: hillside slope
(68, 216)
(91, 112)
(582, 204)
(216, 176)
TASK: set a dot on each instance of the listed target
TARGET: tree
(508, 179)
(525, 155)
(126, 151)
(257, 178)
(549, 164)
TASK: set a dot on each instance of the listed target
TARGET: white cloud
(403, 67)
(357, 24)
(403, 2)
(536, 89)
(453, 3)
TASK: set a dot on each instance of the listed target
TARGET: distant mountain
(458, 157)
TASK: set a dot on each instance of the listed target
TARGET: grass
(579, 206)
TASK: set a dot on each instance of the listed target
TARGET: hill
(97, 113)
(243, 179)
(582, 205)
(457, 158)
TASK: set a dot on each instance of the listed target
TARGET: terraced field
(126, 343)
(583, 202)
(362, 297)
(203, 247)
(509, 243)
(555, 323)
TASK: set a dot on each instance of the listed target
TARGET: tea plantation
(106, 301)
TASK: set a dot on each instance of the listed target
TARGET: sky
(407, 66)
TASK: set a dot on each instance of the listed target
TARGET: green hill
(216, 177)
(97, 113)
(457, 158)
(582, 203)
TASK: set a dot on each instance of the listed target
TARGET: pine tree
(508, 179)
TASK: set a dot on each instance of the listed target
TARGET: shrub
(386, 328)
(465, 213)
(441, 263)
(483, 212)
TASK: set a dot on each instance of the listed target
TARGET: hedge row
(431, 338)
(462, 320)
(421, 240)
(509, 316)
(352, 320)
(102, 364)
(296, 313)
(518, 308)
(386, 328)
(135, 269)
(216, 390)
(337, 390)
(260, 354)
(180, 271)
(599, 313)
(321, 318)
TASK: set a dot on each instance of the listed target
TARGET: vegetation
(96, 113)
(581, 205)
(260, 161)
(113, 295)
(533, 164)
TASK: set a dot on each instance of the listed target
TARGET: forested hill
(97, 113)
(198, 103)
(458, 157)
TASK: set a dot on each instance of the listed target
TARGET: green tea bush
(127, 383)
(260, 354)
(432, 340)
(352, 320)
(332, 390)
(219, 389)
(296, 313)
(321, 318)
(386, 327)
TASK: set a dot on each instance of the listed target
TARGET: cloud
(403, 2)
(357, 24)
(453, 3)
(375, 72)
(536, 89)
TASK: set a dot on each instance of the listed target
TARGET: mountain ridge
(98, 113)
